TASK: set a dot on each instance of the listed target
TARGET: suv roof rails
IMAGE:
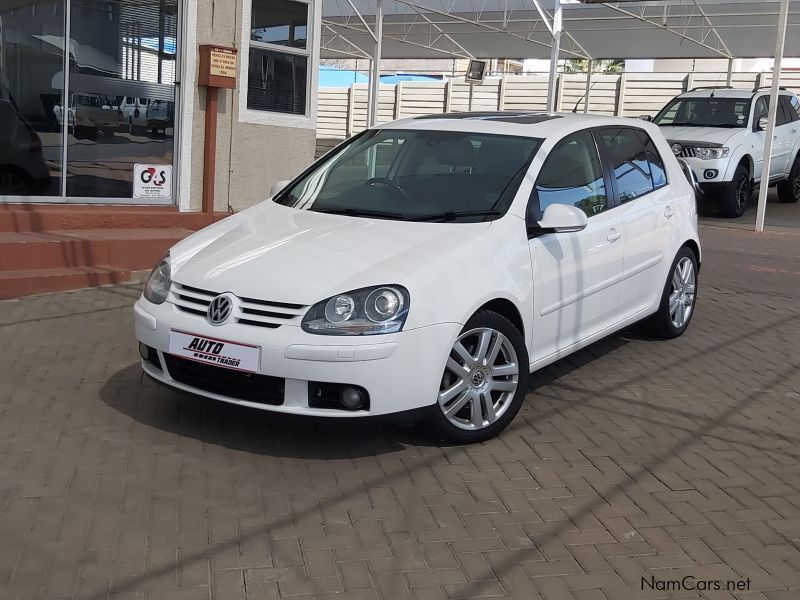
(712, 87)
(767, 87)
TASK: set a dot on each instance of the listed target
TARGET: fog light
(711, 174)
(143, 351)
(351, 398)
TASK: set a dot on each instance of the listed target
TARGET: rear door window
(629, 160)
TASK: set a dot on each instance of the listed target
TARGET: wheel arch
(694, 247)
(507, 309)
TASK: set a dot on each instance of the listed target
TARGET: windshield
(705, 112)
(416, 175)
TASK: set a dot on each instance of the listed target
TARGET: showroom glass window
(279, 56)
(572, 175)
(68, 131)
(627, 152)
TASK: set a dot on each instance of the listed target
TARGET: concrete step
(14, 284)
(131, 249)
(58, 217)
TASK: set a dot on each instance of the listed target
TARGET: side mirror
(279, 186)
(647, 118)
(763, 123)
(562, 218)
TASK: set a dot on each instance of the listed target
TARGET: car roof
(517, 123)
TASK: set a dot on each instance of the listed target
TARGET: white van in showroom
(430, 265)
(720, 132)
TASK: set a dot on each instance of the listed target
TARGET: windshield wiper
(358, 212)
(452, 215)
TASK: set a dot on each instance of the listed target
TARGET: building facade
(116, 116)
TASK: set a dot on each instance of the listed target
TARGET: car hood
(697, 136)
(272, 252)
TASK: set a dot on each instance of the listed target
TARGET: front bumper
(702, 168)
(400, 371)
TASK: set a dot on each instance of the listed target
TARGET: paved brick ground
(632, 459)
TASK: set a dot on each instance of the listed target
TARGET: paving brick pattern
(632, 459)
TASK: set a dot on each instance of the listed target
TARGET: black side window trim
(608, 166)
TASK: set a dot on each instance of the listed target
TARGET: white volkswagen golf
(430, 265)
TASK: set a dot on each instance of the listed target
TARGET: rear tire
(485, 382)
(733, 201)
(789, 190)
(678, 299)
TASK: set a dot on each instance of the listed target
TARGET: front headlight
(711, 153)
(159, 282)
(368, 311)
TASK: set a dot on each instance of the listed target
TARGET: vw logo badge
(219, 310)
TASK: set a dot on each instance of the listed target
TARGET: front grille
(247, 311)
(688, 153)
(226, 382)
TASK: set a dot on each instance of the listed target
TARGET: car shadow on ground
(245, 429)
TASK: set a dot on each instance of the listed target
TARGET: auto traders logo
(219, 310)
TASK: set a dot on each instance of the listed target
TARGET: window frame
(533, 197)
(608, 162)
(308, 120)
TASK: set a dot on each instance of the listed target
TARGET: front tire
(484, 382)
(678, 299)
(732, 202)
(789, 190)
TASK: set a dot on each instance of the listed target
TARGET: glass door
(31, 56)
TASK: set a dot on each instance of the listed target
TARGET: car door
(780, 139)
(640, 187)
(576, 275)
(791, 108)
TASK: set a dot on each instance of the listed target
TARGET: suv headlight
(159, 282)
(367, 311)
(711, 153)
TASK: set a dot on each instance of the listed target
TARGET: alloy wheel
(743, 192)
(681, 298)
(480, 379)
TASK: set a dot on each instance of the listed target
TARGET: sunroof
(528, 118)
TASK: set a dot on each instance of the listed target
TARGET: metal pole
(773, 113)
(65, 90)
(588, 95)
(375, 73)
(729, 81)
(469, 105)
(555, 52)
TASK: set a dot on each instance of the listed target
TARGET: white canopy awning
(522, 29)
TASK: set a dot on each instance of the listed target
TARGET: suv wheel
(789, 190)
(484, 382)
(733, 201)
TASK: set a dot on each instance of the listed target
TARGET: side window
(573, 175)
(761, 110)
(657, 170)
(790, 114)
(794, 104)
(629, 161)
(783, 117)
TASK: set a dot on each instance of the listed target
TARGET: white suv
(430, 264)
(720, 134)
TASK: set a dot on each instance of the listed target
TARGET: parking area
(631, 459)
(779, 214)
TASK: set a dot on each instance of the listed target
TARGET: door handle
(669, 212)
(613, 235)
